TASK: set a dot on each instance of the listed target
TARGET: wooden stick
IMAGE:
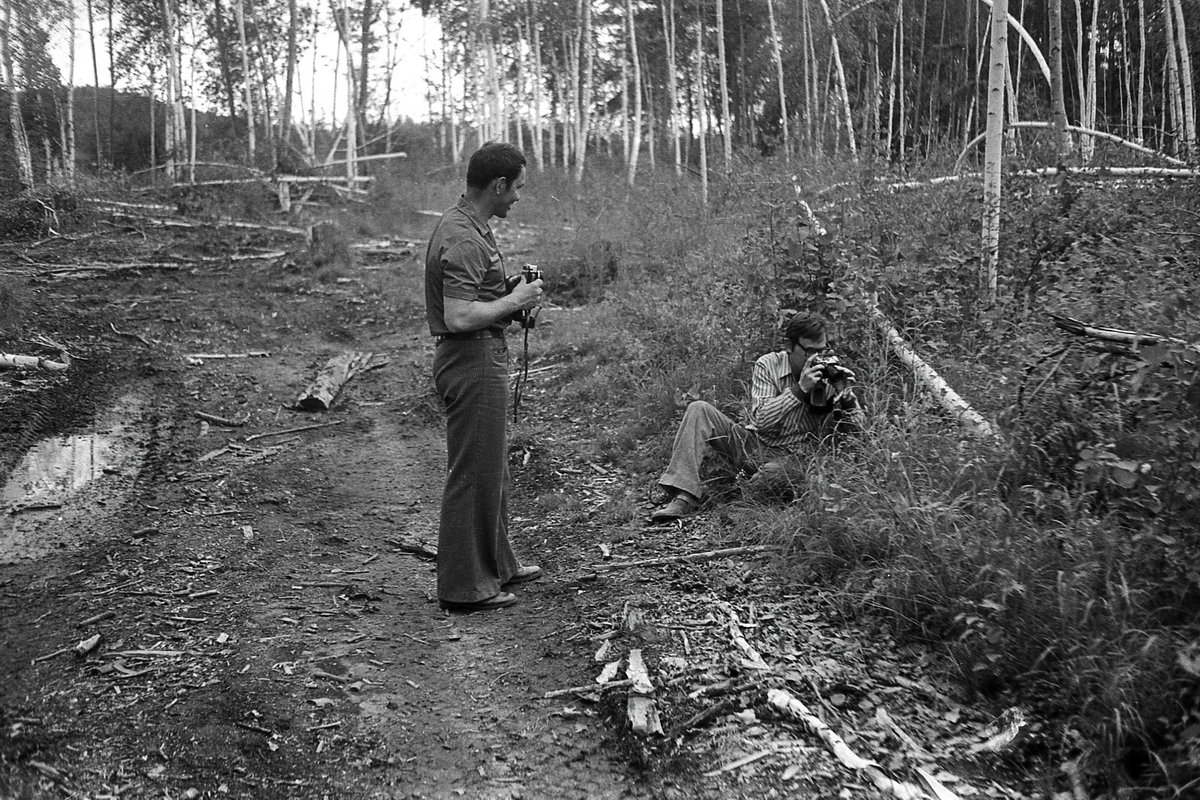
(215, 420)
(591, 687)
(705, 556)
(294, 430)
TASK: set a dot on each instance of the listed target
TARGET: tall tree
(668, 16)
(16, 124)
(635, 61)
(1058, 101)
(289, 83)
(777, 53)
(994, 148)
(251, 142)
(722, 69)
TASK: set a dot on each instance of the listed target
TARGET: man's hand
(525, 296)
(810, 376)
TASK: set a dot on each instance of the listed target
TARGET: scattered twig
(591, 687)
(294, 430)
(129, 335)
(705, 556)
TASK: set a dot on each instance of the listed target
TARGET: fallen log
(216, 420)
(321, 393)
(927, 377)
(8, 360)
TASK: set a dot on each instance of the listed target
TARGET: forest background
(711, 166)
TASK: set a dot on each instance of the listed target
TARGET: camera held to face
(832, 370)
(529, 274)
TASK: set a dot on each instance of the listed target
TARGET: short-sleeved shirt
(463, 262)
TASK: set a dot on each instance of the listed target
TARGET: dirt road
(263, 594)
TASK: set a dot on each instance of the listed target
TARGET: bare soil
(265, 600)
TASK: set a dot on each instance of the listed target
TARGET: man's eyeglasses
(810, 351)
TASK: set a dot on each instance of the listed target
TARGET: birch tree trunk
(16, 125)
(726, 126)
(777, 54)
(994, 148)
(636, 145)
(95, 82)
(843, 91)
(587, 57)
(870, 128)
(248, 94)
(1141, 90)
(668, 15)
(1058, 101)
(289, 81)
(535, 36)
(69, 139)
(1186, 83)
(1174, 89)
(702, 109)
(1088, 144)
(891, 103)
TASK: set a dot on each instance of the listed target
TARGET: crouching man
(798, 395)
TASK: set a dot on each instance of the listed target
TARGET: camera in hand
(529, 274)
(832, 370)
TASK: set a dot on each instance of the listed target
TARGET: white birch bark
(248, 95)
(1088, 144)
(668, 15)
(69, 142)
(998, 60)
(777, 55)
(1186, 83)
(587, 56)
(24, 156)
(702, 111)
(726, 123)
(843, 91)
(636, 145)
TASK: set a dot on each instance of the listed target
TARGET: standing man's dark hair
(494, 160)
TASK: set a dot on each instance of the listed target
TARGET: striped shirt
(781, 419)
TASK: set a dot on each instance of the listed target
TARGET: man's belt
(485, 333)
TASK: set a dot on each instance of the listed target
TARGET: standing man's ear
(500, 185)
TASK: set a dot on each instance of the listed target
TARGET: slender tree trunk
(777, 54)
(994, 149)
(289, 83)
(587, 57)
(1058, 101)
(891, 102)
(870, 127)
(534, 31)
(668, 16)
(1186, 82)
(16, 125)
(112, 79)
(843, 91)
(362, 102)
(96, 79)
(636, 146)
(919, 89)
(1080, 76)
(1088, 144)
(726, 126)
(902, 118)
(1174, 83)
(702, 108)
(251, 143)
(1141, 90)
(223, 56)
(69, 139)
(153, 124)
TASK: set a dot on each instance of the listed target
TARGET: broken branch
(705, 556)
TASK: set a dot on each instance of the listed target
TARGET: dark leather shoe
(529, 572)
(678, 507)
(501, 600)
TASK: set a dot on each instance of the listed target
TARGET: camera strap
(523, 373)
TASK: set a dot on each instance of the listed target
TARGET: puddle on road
(55, 477)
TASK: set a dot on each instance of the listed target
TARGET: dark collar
(468, 208)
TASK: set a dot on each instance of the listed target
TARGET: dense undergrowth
(1058, 569)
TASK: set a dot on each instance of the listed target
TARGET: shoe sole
(481, 606)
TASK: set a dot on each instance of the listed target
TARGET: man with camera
(470, 299)
(800, 394)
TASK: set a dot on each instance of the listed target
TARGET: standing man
(468, 308)
(797, 395)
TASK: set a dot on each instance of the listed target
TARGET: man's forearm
(471, 315)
